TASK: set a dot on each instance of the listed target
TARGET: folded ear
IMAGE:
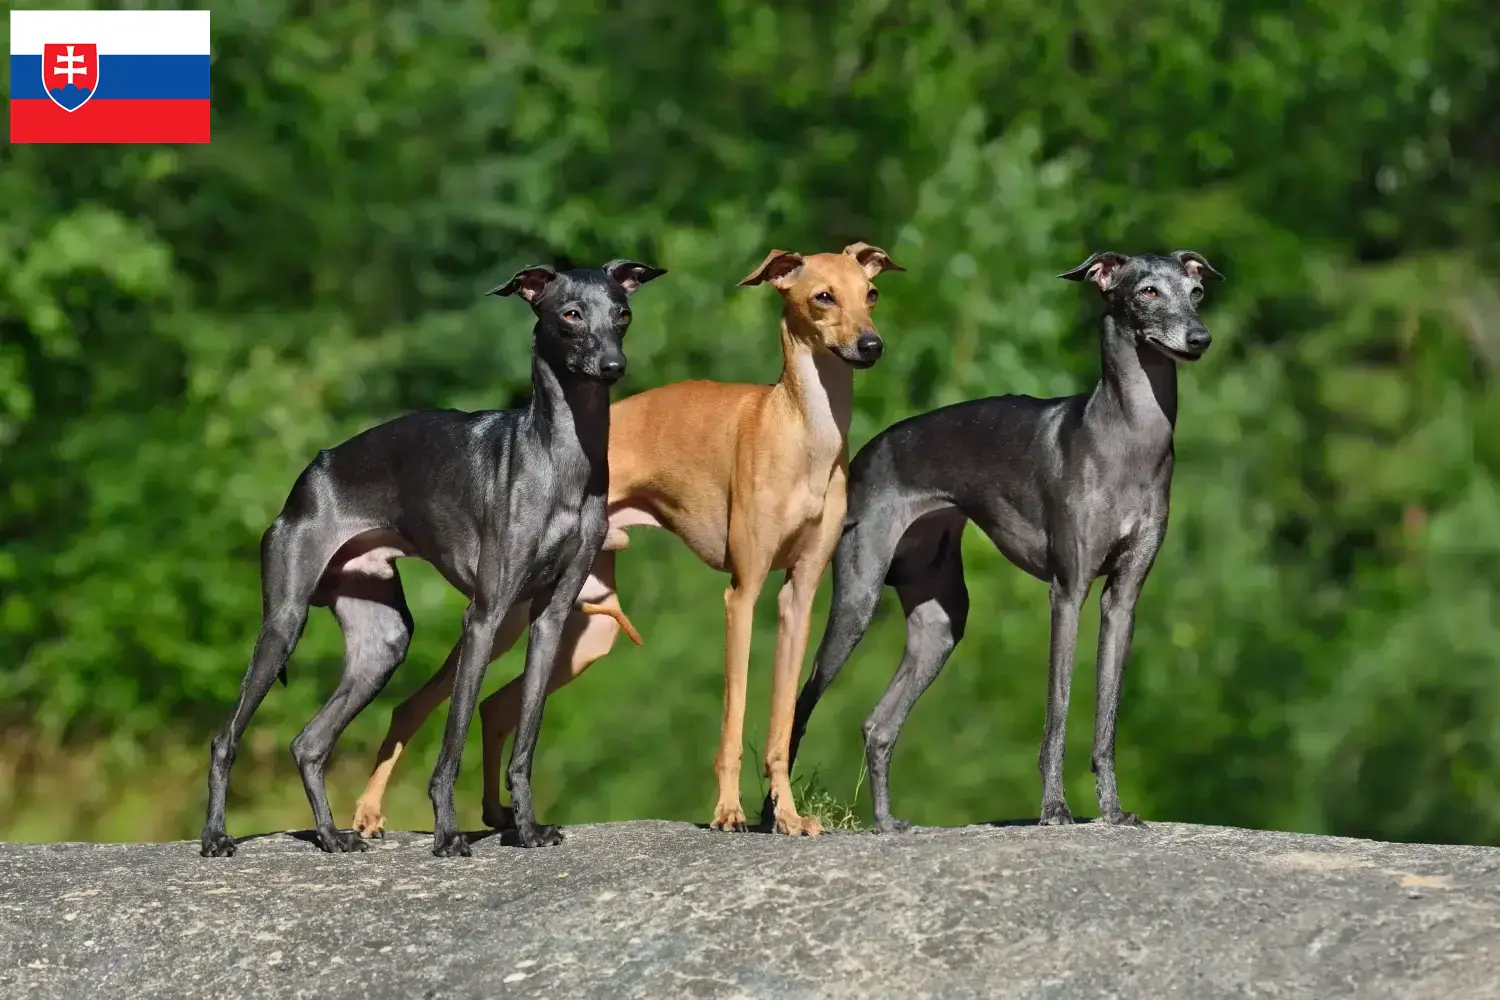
(630, 274)
(872, 259)
(1101, 268)
(1196, 266)
(529, 283)
(780, 268)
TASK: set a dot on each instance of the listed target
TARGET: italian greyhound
(508, 505)
(752, 478)
(1068, 489)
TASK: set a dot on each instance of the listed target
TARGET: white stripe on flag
(116, 32)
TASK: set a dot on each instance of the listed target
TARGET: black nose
(1199, 339)
(869, 347)
(612, 369)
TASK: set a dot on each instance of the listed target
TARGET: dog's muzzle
(866, 351)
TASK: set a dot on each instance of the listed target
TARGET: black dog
(1068, 489)
(507, 504)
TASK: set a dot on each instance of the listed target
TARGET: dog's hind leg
(936, 607)
(377, 630)
(860, 564)
(587, 637)
(408, 717)
(293, 557)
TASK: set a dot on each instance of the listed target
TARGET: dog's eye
(1197, 293)
(1149, 292)
(824, 298)
(573, 315)
(624, 317)
(870, 298)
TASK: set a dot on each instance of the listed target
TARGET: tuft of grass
(815, 798)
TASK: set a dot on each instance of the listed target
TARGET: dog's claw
(451, 845)
(368, 823)
(892, 825)
(539, 836)
(341, 842)
(217, 844)
(799, 826)
(729, 819)
(1056, 814)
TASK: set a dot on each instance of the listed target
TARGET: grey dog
(1069, 489)
(507, 504)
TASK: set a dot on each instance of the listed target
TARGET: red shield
(70, 73)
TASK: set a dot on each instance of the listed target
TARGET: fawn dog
(751, 478)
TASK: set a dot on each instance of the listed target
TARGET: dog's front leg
(496, 590)
(541, 657)
(739, 617)
(1069, 591)
(1116, 624)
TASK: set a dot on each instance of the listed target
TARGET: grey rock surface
(668, 910)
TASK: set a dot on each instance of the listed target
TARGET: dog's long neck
(569, 414)
(820, 389)
(1137, 388)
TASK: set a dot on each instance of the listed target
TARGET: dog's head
(1155, 297)
(829, 297)
(582, 315)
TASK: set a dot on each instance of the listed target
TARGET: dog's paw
(368, 821)
(892, 825)
(498, 817)
(798, 826)
(730, 819)
(1121, 818)
(216, 844)
(538, 835)
(450, 845)
(341, 842)
(1056, 814)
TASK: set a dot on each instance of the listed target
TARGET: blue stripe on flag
(123, 78)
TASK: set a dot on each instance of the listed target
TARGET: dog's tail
(615, 613)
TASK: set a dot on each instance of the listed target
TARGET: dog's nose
(612, 369)
(869, 346)
(1199, 339)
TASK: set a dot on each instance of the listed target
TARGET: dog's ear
(630, 274)
(1101, 268)
(872, 260)
(529, 283)
(780, 269)
(1196, 266)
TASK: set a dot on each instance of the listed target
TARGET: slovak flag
(109, 76)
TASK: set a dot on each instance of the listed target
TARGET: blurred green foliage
(182, 328)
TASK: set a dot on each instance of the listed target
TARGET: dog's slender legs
(407, 718)
(292, 561)
(377, 630)
(541, 657)
(937, 609)
(860, 561)
(739, 615)
(586, 638)
(1116, 624)
(1067, 599)
(795, 606)
(482, 621)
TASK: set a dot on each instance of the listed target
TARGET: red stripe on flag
(110, 121)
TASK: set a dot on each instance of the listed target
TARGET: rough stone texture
(664, 910)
